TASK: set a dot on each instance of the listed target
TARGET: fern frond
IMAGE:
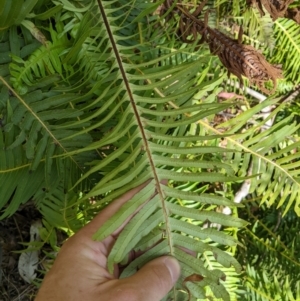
(31, 145)
(259, 29)
(136, 152)
(271, 152)
(43, 62)
(288, 47)
(274, 236)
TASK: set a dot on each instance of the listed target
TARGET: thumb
(154, 280)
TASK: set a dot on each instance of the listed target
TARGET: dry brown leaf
(293, 14)
(191, 278)
(277, 9)
(240, 60)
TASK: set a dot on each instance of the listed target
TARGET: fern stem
(139, 123)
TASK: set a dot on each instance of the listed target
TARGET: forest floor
(13, 232)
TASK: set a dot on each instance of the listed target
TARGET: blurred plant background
(57, 83)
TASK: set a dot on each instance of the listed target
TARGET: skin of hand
(80, 269)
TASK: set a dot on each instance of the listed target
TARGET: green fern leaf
(136, 152)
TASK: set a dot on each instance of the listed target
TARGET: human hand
(80, 269)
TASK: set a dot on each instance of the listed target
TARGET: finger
(153, 281)
(110, 210)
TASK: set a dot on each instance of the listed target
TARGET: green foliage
(288, 47)
(271, 257)
(95, 100)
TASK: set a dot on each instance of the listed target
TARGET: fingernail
(173, 266)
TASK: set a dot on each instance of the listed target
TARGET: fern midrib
(17, 168)
(139, 122)
(259, 292)
(3, 171)
(250, 151)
